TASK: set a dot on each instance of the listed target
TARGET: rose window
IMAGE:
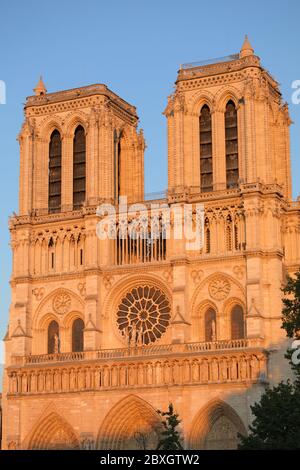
(143, 315)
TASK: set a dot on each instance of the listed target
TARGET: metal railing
(227, 58)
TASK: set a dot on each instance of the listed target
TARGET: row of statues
(134, 335)
(204, 370)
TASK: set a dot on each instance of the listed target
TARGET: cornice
(219, 67)
(77, 97)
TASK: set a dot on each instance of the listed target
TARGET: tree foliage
(291, 309)
(276, 423)
(170, 438)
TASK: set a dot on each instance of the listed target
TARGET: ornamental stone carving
(197, 275)
(61, 303)
(38, 292)
(82, 288)
(202, 369)
(239, 271)
(219, 288)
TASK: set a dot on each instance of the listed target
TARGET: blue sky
(136, 48)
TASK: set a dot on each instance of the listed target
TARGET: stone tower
(102, 332)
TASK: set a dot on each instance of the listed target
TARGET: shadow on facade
(133, 423)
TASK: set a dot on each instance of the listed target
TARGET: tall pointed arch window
(53, 338)
(210, 325)
(77, 335)
(206, 168)
(117, 164)
(119, 151)
(231, 138)
(79, 167)
(237, 323)
(54, 185)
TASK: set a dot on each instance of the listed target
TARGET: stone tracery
(143, 315)
(53, 433)
(131, 424)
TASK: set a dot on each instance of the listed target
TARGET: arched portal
(216, 427)
(53, 433)
(130, 424)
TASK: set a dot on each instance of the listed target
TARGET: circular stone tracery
(143, 315)
(61, 303)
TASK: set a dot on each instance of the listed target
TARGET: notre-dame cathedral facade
(104, 331)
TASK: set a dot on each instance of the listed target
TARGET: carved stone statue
(214, 371)
(254, 366)
(243, 369)
(56, 344)
(213, 330)
(133, 340)
(195, 371)
(223, 370)
(204, 371)
(127, 334)
(233, 369)
(139, 338)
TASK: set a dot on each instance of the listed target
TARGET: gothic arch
(226, 94)
(49, 125)
(198, 294)
(47, 319)
(129, 422)
(231, 302)
(75, 120)
(49, 429)
(53, 432)
(77, 304)
(71, 317)
(204, 433)
(198, 319)
(125, 284)
(203, 306)
(199, 99)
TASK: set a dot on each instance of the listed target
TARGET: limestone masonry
(103, 332)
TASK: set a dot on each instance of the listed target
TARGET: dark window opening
(77, 335)
(79, 168)
(231, 142)
(210, 325)
(237, 323)
(206, 165)
(54, 185)
(53, 338)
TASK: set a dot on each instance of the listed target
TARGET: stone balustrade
(196, 367)
(151, 350)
